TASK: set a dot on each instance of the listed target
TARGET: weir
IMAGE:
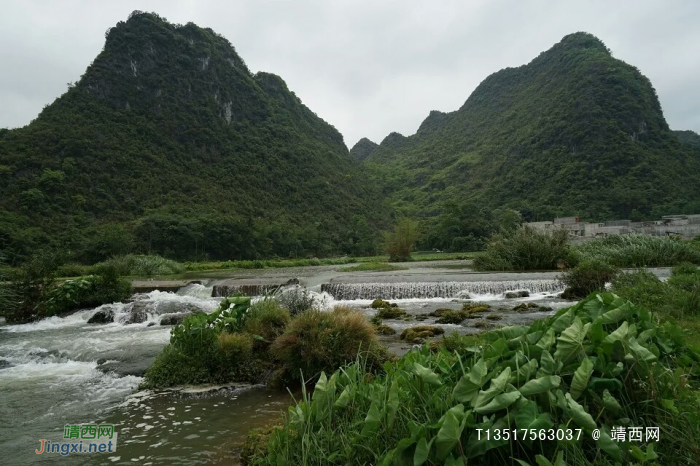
(408, 290)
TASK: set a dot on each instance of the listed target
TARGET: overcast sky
(367, 67)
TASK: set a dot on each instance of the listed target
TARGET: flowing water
(62, 371)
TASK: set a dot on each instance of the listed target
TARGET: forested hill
(169, 144)
(574, 132)
(690, 138)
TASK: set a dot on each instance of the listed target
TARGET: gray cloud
(367, 67)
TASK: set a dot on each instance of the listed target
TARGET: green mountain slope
(574, 132)
(690, 138)
(169, 144)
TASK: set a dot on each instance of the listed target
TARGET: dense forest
(574, 132)
(168, 144)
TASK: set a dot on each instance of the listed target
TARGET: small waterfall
(407, 290)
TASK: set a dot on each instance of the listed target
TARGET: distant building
(687, 226)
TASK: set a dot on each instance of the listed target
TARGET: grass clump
(639, 251)
(475, 308)
(451, 317)
(420, 333)
(587, 277)
(372, 267)
(390, 313)
(525, 248)
(266, 320)
(317, 341)
(385, 330)
(527, 307)
(380, 303)
(602, 363)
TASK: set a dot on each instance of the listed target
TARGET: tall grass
(639, 251)
(318, 341)
(141, 265)
(525, 249)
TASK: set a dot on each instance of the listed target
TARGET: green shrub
(25, 289)
(639, 251)
(235, 346)
(526, 248)
(600, 364)
(380, 303)
(317, 341)
(587, 277)
(84, 292)
(390, 313)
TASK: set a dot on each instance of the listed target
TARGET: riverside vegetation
(602, 363)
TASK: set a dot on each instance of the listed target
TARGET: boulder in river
(103, 316)
(174, 319)
(138, 313)
(517, 294)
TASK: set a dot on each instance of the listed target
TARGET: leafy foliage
(588, 367)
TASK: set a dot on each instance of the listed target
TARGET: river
(65, 371)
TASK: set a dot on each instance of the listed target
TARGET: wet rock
(174, 307)
(292, 281)
(101, 361)
(4, 364)
(385, 330)
(138, 313)
(517, 294)
(151, 324)
(174, 319)
(103, 316)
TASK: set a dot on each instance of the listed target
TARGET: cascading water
(408, 290)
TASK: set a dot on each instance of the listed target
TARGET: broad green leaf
(525, 372)
(615, 315)
(559, 461)
(392, 403)
(498, 403)
(372, 421)
(548, 364)
(495, 349)
(547, 340)
(529, 417)
(452, 461)
(422, 451)
(448, 436)
(563, 321)
(610, 403)
(579, 414)
(427, 375)
(570, 342)
(610, 447)
(640, 353)
(618, 335)
(344, 398)
(540, 385)
(498, 384)
(581, 377)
